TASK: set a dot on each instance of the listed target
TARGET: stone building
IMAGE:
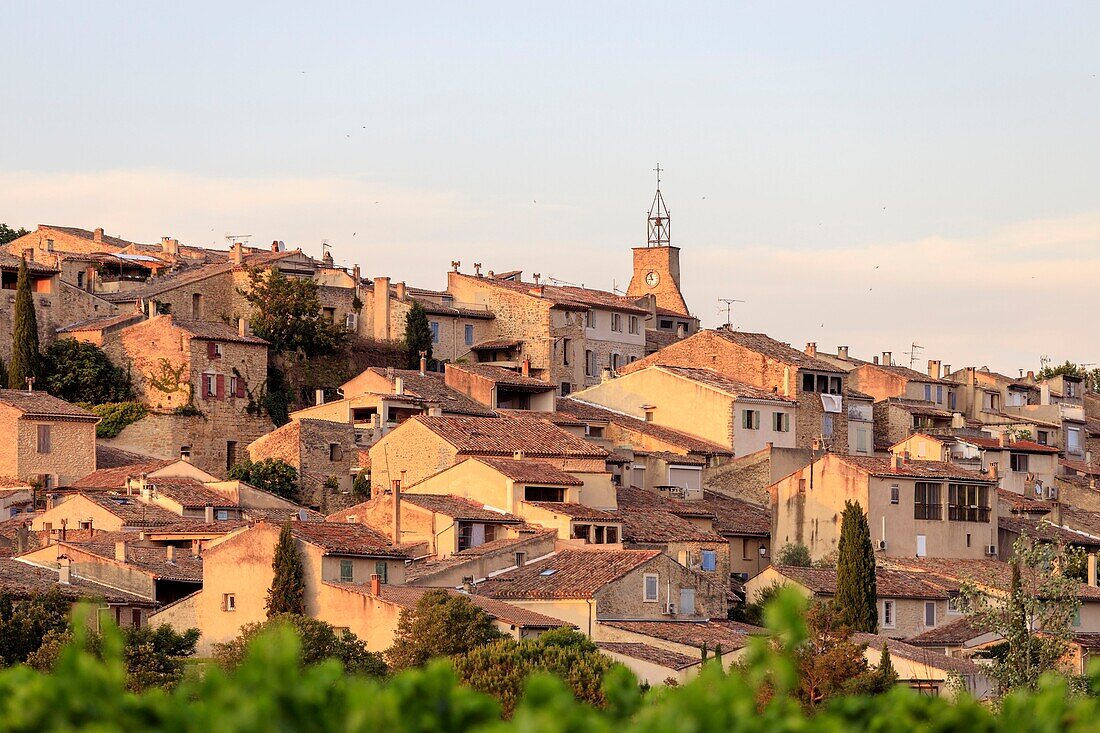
(323, 451)
(501, 388)
(51, 442)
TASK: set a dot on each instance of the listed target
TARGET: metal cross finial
(658, 170)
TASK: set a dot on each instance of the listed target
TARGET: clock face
(652, 278)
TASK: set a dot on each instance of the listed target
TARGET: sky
(863, 174)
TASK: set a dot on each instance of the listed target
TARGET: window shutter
(241, 392)
(211, 350)
(220, 382)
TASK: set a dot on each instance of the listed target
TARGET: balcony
(968, 513)
(928, 511)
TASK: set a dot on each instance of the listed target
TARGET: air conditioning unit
(991, 550)
(1051, 491)
(882, 544)
(670, 609)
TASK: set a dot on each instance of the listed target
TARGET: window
(347, 571)
(863, 440)
(781, 422)
(213, 350)
(612, 535)
(230, 454)
(1073, 440)
(44, 439)
(926, 500)
(750, 419)
(1018, 462)
(80, 280)
(637, 477)
(435, 331)
(954, 604)
(929, 613)
(566, 389)
(1077, 617)
(687, 601)
(544, 493)
(888, 619)
(709, 560)
(468, 332)
(1043, 437)
(209, 385)
(1071, 388)
(566, 351)
(649, 594)
(922, 545)
(334, 452)
(329, 314)
(229, 602)
(614, 362)
(649, 415)
(185, 452)
(939, 394)
(895, 494)
(827, 425)
(634, 324)
(616, 322)
(664, 325)
(593, 431)
(967, 503)
(589, 363)
(221, 515)
(951, 400)
(475, 534)
(196, 306)
(928, 392)
(380, 571)
(49, 245)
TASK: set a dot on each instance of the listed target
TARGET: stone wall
(624, 598)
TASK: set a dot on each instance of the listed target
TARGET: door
(922, 545)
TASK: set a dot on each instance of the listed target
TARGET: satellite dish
(1038, 489)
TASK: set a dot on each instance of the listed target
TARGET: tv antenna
(234, 238)
(728, 303)
(914, 348)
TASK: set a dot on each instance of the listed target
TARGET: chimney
(605, 375)
(399, 385)
(535, 276)
(1056, 513)
(946, 370)
(842, 352)
(993, 472)
(375, 584)
(120, 550)
(933, 369)
(517, 455)
(1002, 438)
(169, 246)
(236, 253)
(65, 571)
(874, 360)
(208, 514)
(537, 291)
(886, 359)
(423, 362)
(1092, 568)
(242, 327)
(525, 366)
(382, 308)
(318, 396)
(895, 461)
(1031, 376)
(811, 349)
(275, 245)
(170, 554)
(395, 495)
(400, 288)
(97, 236)
(468, 584)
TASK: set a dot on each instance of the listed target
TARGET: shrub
(794, 554)
(319, 641)
(115, 416)
(441, 625)
(78, 371)
(271, 474)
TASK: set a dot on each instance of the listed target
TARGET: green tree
(319, 641)
(502, 668)
(288, 590)
(24, 333)
(753, 613)
(361, 485)
(78, 371)
(795, 554)
(25, 623)
(418, 335)
(287, 313)
(271, 474)
(1068, 369)
(856, 594)
(829, 663)
(7, 234)
(441, 625)
(1034, 614)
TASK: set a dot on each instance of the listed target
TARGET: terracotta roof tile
(184, 567)
(132, 511)
(958, 631)
(1019, 446)
(923, 657)
(506, 435)
(343, 538)
(716, 381)
(431, 388)
(115, 478)
(732, 635)
(566, 574)
(110, 457)
(98, 324)
(737, 517)
(530, 472)
(190, 493)
(457, 507)
(216, 331)
(882, 467)
(40, 404)
(889, 583)
(563, 296)
(407, 596)
(590, 411)
(575, 511)
(21, 580)
(951, 573)
(653, 655)
(648, 518)
(500, 375)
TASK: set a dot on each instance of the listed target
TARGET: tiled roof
(575, 511)
(1081, 520)
(653, 655)
(152, 560)
(98, 324)
(216, 331)
(282, 514)
(40, 404)
(632, 496)
(714, 380)
(950, 573)
(506, 435)
(1018, 503)
(1081, 467)
(889, 583)
(432, 388)
(923, 657)
(11, 262)
(21, 579)
(434, 307)
(457, 507)
(915, 407)
(420, 568)
(191, 494)
(904, 372)
(132, 511)
(342, 538)
(110, 457)
(115, 478)
(159, 285)
(1088, 640)
(565, 296)
(590, 411)
(494, 344)
(530, 472)
(1042, 529)
(882, 467)
(737, 517)
(569, 574)
(730, 634)
(648, 518)
(958, 631)
(1019, 446)
(407, 596)
(656, 340)
(763, 344)
(500, 375)
(106, 239)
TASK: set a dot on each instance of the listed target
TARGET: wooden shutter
(241, 390)
(220, 382)
(211, 350)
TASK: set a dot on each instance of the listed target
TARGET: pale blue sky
(859, 173)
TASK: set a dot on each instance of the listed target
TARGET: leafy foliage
(24, 334)
(271, 474)
(856, 596)
(25, 623)
(78, 371)
(753, 613)
(795, 554)
(288, 588)
(115, 416)
(418, 335)
(319, 641)
(1034, 614)
(441, 625)
(360, 486)
(287, 312)
(7, 234)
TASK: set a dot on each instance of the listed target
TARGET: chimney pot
(400, 288)
(375, 585)
(399, 385)
(1092, 568)
(811, 349)
(887, 359)
(97, 236)
(842, 352)
(319, 397)
(934, 368)
(65, 576)
(525, 366)
(242, 327)
(236, 253)
(208, 514)
(396, 499)
(423, 362)
(170, 553)
(120, 550)
(895, 461)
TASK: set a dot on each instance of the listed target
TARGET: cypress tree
(888, 676)
(287, 592)
(418, 335)
(24, 333)
(856, 594)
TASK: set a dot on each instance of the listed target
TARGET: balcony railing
(968, 513)
(927, 511)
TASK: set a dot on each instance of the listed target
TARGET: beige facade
(44, 447)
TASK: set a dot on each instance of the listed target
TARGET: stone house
(896, 418)
(746, 529)
(583, 587)
(881, 378)
(482, 561)
(914, 508)
(51, 441)
(424, 445)
(100, 511)
(701, 402)
(818, 387)
(680, 638)
(500, 388)
(926, 671)
(237, 574)
(321, 450)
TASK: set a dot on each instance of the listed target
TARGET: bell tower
(657, 265)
